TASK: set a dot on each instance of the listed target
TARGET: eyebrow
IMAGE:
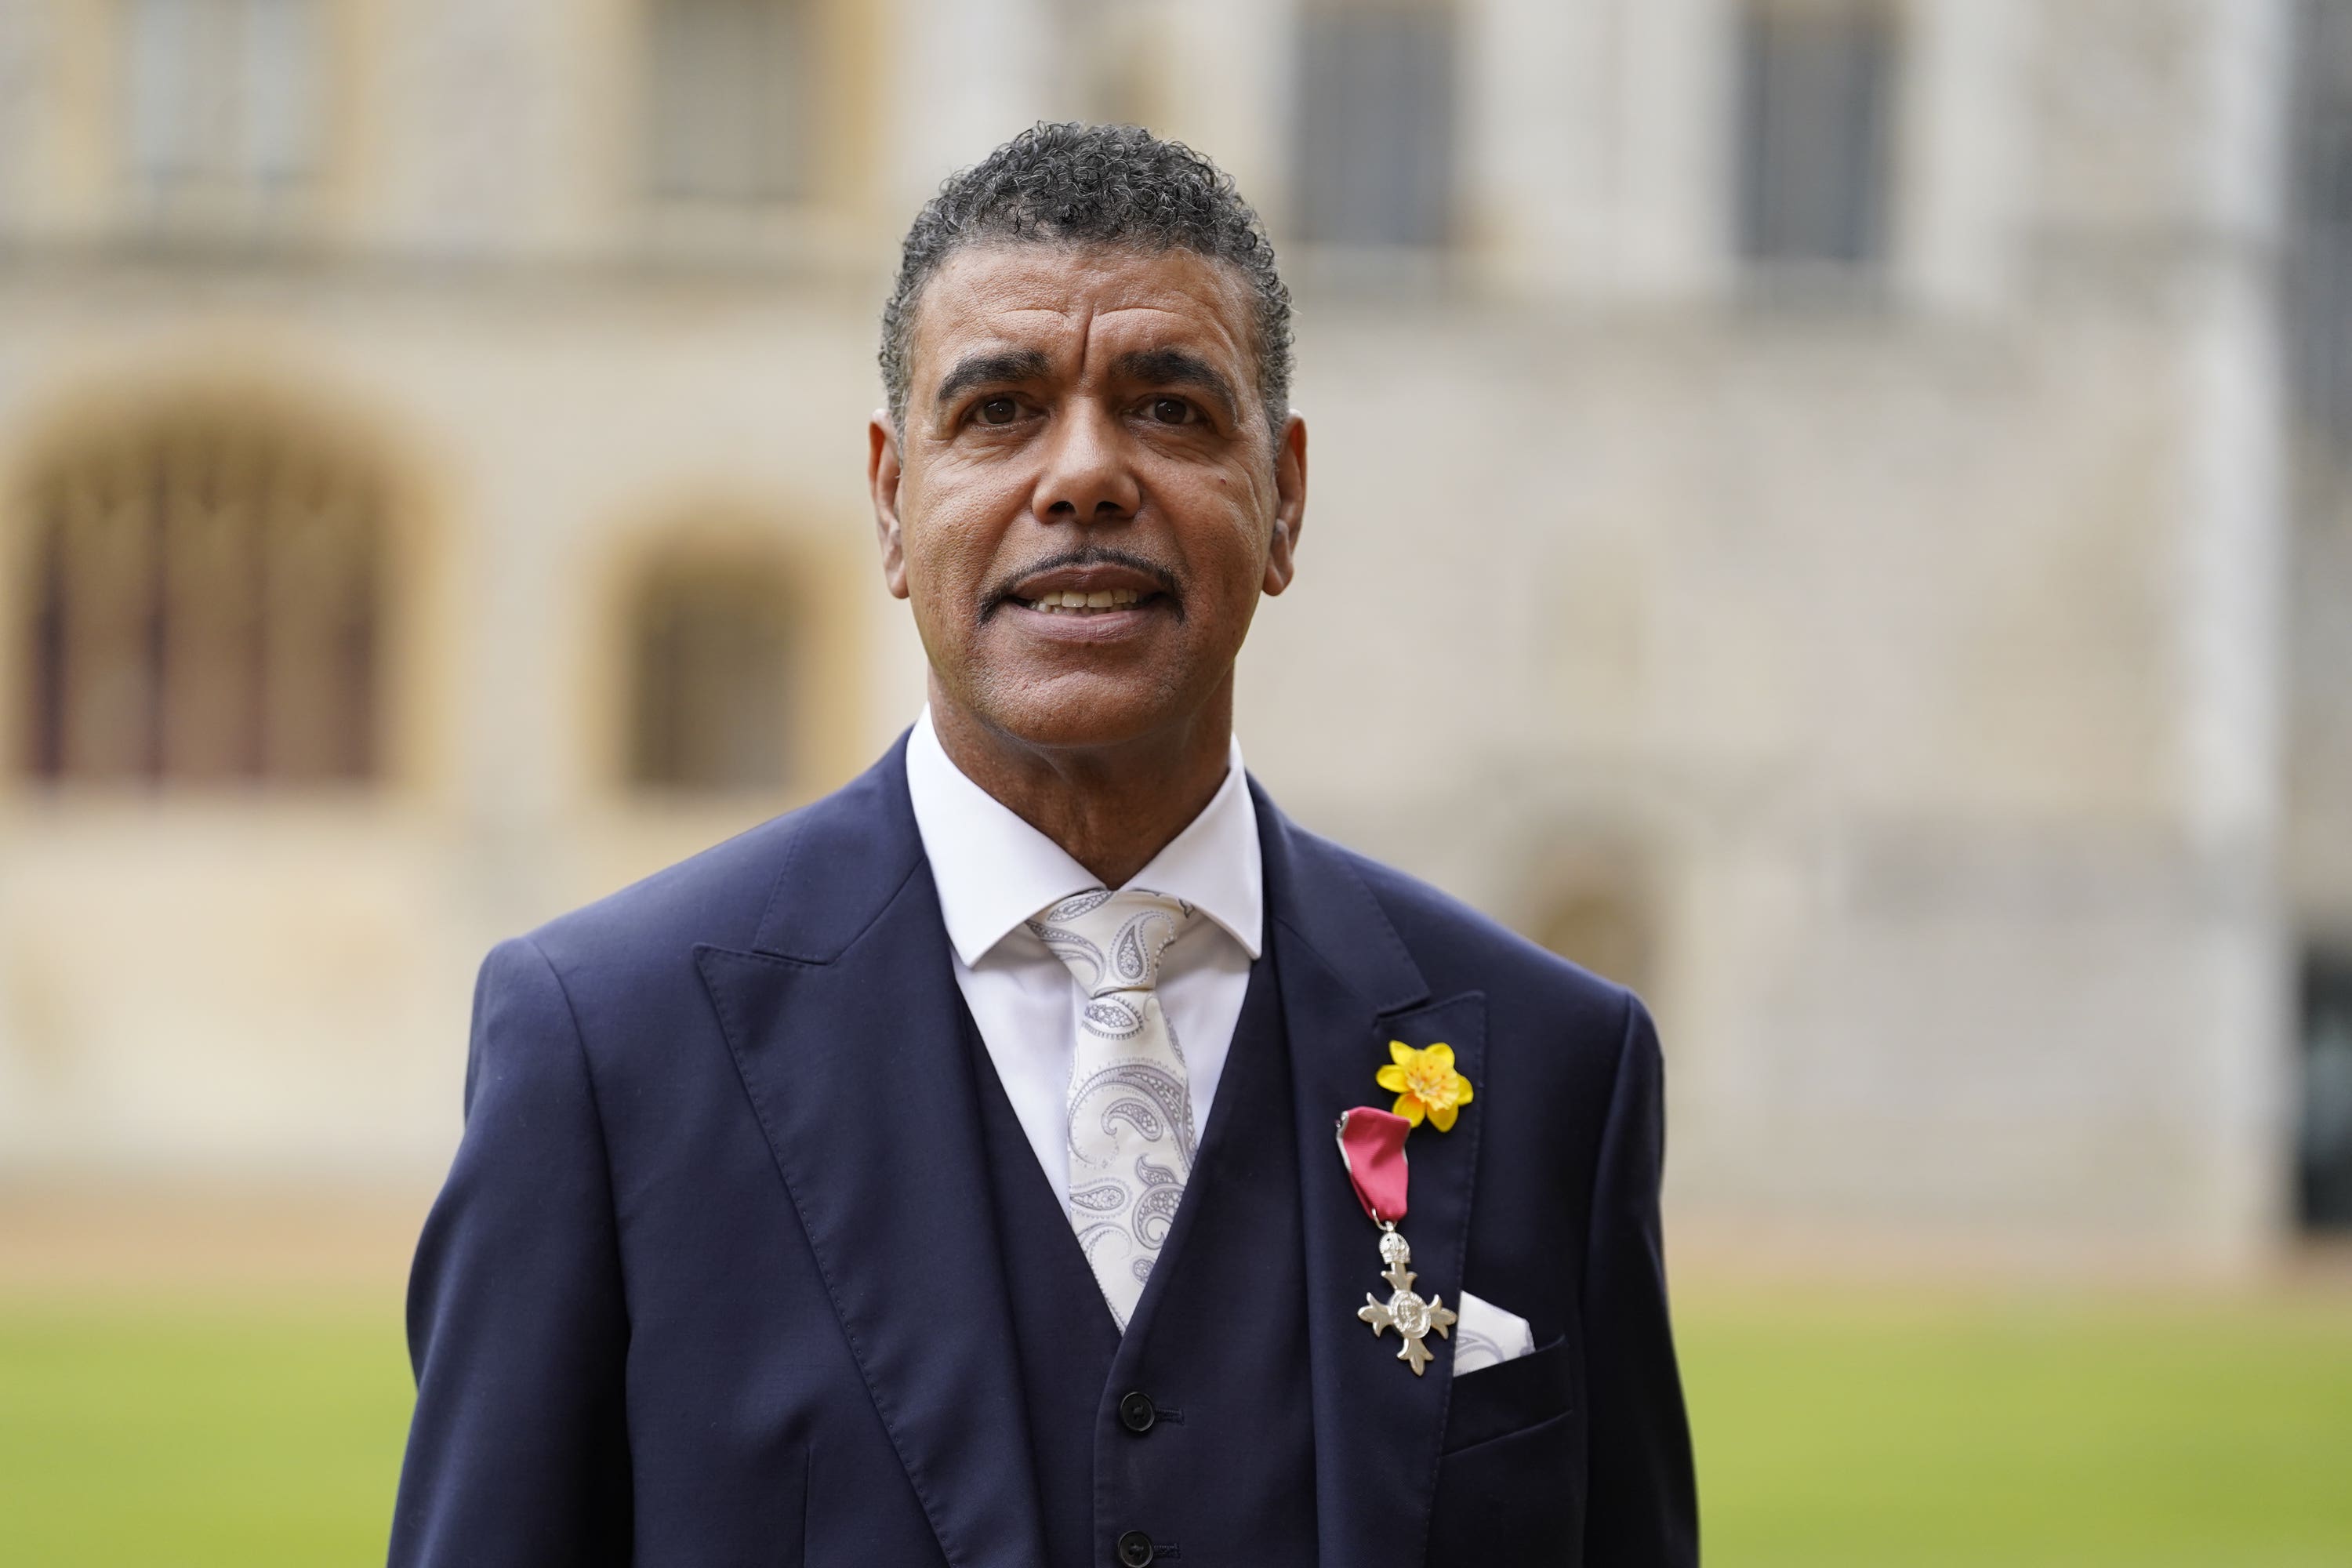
(989, 369)
(1179, 367)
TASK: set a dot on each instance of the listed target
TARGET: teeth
(1100, 599)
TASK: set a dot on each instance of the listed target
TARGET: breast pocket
(1499, 1400)
(1510, 1485)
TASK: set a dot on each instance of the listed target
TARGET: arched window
(203, 604)
(714, 661)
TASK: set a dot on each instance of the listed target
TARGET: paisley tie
(1130, 1112)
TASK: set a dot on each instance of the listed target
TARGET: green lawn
(1881, 1432)
(2074, 1434)
(141, 1436)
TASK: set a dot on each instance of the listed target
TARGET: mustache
(1073, 560)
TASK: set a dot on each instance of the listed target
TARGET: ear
(1290, 503)
(883, 472)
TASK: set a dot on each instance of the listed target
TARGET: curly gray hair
(1093, 185)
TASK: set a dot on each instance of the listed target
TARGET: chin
(1077, 712)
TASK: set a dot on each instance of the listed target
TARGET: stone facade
(1916, 674)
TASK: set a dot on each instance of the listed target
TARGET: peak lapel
(1349, 987)
(846, 1030)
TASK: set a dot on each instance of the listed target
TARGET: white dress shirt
(995, 872)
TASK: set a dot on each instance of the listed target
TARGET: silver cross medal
(1411, 1317)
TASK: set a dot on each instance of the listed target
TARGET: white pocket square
(1489, 1336)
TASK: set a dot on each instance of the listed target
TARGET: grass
(1830, 1432)
(2077, 1434)
(154, 1437)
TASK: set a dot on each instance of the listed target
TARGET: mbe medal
(1371, 1146)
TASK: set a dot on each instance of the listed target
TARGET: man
(952, 1171)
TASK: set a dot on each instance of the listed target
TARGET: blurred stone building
(1832, 511)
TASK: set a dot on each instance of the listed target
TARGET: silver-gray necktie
(1130, 1108)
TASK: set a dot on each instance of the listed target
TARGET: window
(2325, 1153)
(1815, 108)
(222, 99)
(1375, 131)
(712, 703)
(204, 605)
(726, 92)
(2319, 291)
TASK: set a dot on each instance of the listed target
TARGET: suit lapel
(1349, 987)
(845, 1028)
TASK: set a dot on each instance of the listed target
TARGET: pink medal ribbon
(1371, 1146)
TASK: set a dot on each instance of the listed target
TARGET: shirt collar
(993, 870)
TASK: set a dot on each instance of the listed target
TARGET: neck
(1111, 808)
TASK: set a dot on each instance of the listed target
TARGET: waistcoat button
(1136, 1412)
(1135, 1549)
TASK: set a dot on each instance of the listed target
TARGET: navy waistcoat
(1195, 1429)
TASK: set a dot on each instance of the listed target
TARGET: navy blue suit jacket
(713, 1278)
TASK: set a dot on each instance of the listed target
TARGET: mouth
(1094, 591)
(1070, 602)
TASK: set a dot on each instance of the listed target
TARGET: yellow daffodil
(1426, 1084)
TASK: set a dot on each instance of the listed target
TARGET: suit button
(1136, 1413)
(1135, 1549)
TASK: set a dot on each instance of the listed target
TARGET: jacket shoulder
(714, 895)
(731, 894)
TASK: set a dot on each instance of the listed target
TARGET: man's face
(1087, 501)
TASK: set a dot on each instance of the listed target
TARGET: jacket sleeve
(1641, 1502)
(517, 1328)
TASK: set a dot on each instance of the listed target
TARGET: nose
(1088, 476)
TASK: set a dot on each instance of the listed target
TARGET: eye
(999, 410)
(1171, 411)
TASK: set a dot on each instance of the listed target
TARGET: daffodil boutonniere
(1426, 1084)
